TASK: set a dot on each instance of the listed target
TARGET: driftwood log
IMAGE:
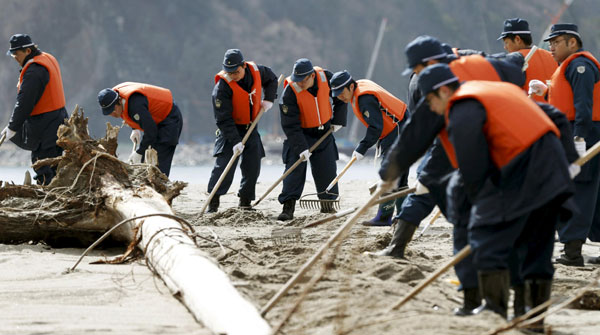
(92, 191)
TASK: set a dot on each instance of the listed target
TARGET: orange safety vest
(514, 122)
(560, 92)
(473, 67)
(242, 100)
(53, 97)
(389, 105)
(541, 66)
(314, 111)
(160, 101)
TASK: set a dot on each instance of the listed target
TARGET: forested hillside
(179, 44)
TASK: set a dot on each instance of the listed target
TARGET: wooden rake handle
(235, 155)
(339, 235)
(288, 171)
(2, 138)
(593, 151)
(528, 57)
(333, 182)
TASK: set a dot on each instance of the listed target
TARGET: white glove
(305, 155)
(537, 87)
(337, 127)
(358, 155)
(238, 148)
(388, 185)
(9, 133)
(420, 188)
(266, 105)
(136, 136)
(574, 170)
(135, 158)
(580, 147)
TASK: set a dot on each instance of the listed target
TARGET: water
(200, 174)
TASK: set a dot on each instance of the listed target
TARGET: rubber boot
(539, 292)
(213, 205)
(572, 255)
(519, 300)
(383, 217)
(288, 210)
(402, 235)
(493, 286)
(245, 204)
(472, 300)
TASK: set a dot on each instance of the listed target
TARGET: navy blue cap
(447, 48)
(422, 49)
(19, 41)
(302, 68)
(107, 98)
(339, 81)
(232, 60)
(516, 26)
(561, 29)
(435, 76)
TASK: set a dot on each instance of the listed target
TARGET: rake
(293, 234)
(327, 205)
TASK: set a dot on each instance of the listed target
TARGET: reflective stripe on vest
(53, 97)
(242, 100)
(389, 105)
(541, 66)
(560, 93)
(473, 67)
(314, 111)
(160, 101)
(513, 121)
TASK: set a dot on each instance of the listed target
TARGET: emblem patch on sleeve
(581, 69)
(366, 114)
(136, 117)
(217, 103)
(284, 109)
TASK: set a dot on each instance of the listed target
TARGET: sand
(37, 296)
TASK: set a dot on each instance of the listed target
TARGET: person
(514, 171)
(575, 90)
(149, 109)
(306, 116)
(40, 106)
(383, 114)
(516, 37)
(418, 137)
(242, 89)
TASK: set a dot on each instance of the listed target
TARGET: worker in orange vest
(516, 37)
(153, 116)
(507, 151)
(575, 90)
(40, 107)
(241, 89)
(384, 115)
(306, 115)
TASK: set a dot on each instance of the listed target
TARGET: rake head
(286, 235)
(325, 205)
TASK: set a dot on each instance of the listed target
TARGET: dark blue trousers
(587, 219)
(250, 165)
(531, 236)
(322, 165)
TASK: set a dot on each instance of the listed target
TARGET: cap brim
(296, 78)
(503, 35)
(108, 110)
(407, 71)
(336, 92)
(551, 36)
(230, 69)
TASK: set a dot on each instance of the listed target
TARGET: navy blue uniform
(323, 158)
(582, 74)
(435, 171)
(515, 207)
(229, 134)
(163, 137)
(38, 132)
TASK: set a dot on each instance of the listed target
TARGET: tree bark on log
(93, 191)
